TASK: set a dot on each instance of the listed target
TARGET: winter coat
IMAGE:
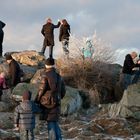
(14, 72)
(24, 115)
(51, 79)
(129, 65)
(64, 32)
(48, 33)
(1, 27)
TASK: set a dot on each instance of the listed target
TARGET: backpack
(50, 101)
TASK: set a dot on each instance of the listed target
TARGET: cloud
(116, 22)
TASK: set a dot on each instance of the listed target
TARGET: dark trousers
(50, 50)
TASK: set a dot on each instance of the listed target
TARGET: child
(24, 117)
(2, 83)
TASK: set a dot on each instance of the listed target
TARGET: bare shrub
(94, 96)
(103, 50)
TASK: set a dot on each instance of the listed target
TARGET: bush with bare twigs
(95, 73)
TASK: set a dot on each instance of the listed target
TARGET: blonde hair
(134, 55)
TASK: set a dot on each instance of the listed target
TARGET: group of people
(48, 33)
(131, 75)
(51, 82)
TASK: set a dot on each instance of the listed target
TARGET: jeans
(131, 79)
(54, 131)
(26, 134)
(136, 76)
(65, 45)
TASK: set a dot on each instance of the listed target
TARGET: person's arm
(60, 33)
(69, 30)
(16, 117)
(2, 24)
(4, 84)
(63, 89)
(42, 31)
(57, 26)
(13, 73)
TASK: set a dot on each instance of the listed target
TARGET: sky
(115, 21)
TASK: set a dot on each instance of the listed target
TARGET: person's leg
(51, 131)
(51, 51)
(136, 76)
(23, 134)
(44, 47)
(0, 94)
(58, 131)
(65, 45)
(127, 80)
(31, 134)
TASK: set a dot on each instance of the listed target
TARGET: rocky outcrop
(72, 101)
(31, 58)
(129, 106)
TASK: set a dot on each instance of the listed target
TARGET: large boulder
(129, 106)
(21, 88)
(72, 101)
(28, 57)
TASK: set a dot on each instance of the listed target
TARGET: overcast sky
(115, 21)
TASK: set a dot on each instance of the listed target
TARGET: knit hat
(49, 62)
(8, 57)
(26, 95)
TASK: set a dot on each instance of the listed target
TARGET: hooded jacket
(64, 32)
(24, 115)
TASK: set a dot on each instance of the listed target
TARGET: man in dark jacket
(48, 33)
(1, 36)
(130, 76)
(53, 83)
(14, 71)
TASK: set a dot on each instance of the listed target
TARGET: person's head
(133, 55)
(49, 63)
(26, 95)
(64, 22)
(2, 75)
(49, 20)
(8, 58)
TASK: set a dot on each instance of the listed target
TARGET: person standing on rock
(53, 84)
(130, 76)
(64, 35)
(48, 33)
(1, 36)
(14, 71)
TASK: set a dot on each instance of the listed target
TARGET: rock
(37, 76)
(4, 135)
(72, 101)
(6, 120)
(129, 106)
(21, 88)
(31, 58)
